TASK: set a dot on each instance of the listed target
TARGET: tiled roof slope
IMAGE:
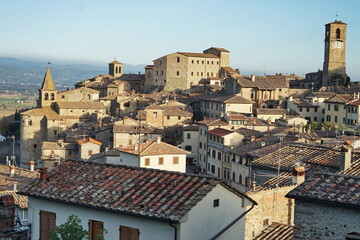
(337, 189)
(151, 193)
(81, 105)
(20, 200)
(21, 177)
(291, 155)
(225, 98)
(277, 231)
(151, 147)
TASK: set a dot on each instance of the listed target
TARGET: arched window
(212, 168)
(234, 176)
(116, 71)
(52, 96)
(338, 33)
(119, 69)
(89, 97)
(46, 96)
(240, 179)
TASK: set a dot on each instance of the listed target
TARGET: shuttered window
(47, 224)
(95, 229)
(128, 233)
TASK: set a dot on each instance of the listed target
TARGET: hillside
(21, 75)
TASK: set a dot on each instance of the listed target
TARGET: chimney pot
(15, 186)
(252, 139)
(298, 175)
(253, 77)
(32, 166)
(43, 173)
(12, 170)
(345, 159)
(158, 139)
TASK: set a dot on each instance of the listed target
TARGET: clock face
(337, 44)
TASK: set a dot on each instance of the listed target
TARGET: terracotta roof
(134, 129)
(149, 66)
(48, 83)
(201, 55)
(228, 69)
(291, 155)
(191, 128)
(22, 177)
(336, 22)
(270, 111)
(344, 97)
(115, 62)
(264, 82)
(278, 231)
(88, 140)
(220, 132)
(80, 105)
(132, 77)
(235, 116)
(225, 98)
(301, 103)
(321, 94)
(214, 122)
(327, 188)
(44, 111)
(20, 200)
(219, 49)
(150, 193)
(246, 132)
(355, 102)
(151, 147)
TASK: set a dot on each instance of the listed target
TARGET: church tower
(115, 69)
(47, 93)
(334, 71)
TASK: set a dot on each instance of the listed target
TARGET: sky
(263, 36)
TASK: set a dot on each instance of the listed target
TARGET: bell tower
(334, 71)
(47, 93)
(115, 69)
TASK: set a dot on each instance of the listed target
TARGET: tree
(70, 230)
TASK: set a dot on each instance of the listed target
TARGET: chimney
(43, 173)
(158, 139)
(345, 159)
(252, 139)
(12, 170)
(32, 166)
(15, 186)
(253, 183)
(253, 78)
(136, 147)
(298, 175)
(100, 123)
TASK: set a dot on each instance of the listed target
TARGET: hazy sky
(267, 36)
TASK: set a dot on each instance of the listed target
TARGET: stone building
(334, 71)
(52, 117)
(181, 70)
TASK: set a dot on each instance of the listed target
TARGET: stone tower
(334, 71)
(47, 93)
(115, 69)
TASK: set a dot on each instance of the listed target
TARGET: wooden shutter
(47, 224)
(95, 229)
(128, 233)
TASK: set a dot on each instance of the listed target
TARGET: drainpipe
(175, 231)
(232, 223)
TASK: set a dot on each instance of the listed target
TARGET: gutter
(232, 223)
(175, 231)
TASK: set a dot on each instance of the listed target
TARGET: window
(338, 33)
(147, 161)
(315, 109)
(328, 107)
(55, 132)
(233, 176)
(168, 117)
(197, 61)
(52, 152)
(240, 179)
(213, 169)
(219, 156)
(90, 152)
(161, 161)
(29, 122)
(328, 118)
(35, 146)
(52, 96)
(46, 96)
(155, 114)
(188, 148)
(192, 61)
(308, 109)
(178, 59)
(127, 104)
(95, 229)
(336, 119)
(192, 73)
(175, 160)
(315, 118)
(188, 135)
(47, 224)
(128, 233)
(300, 109)
(216, 203)
(202, 74)
(179, 117)
(200, 144)
(203, 62)
(213, 153)
(336, 107)
(177, 73)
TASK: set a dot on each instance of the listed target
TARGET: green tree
(70, 230)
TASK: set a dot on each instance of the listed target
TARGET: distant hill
(21, 74)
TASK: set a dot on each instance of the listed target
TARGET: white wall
(205, 221)
(149, 229)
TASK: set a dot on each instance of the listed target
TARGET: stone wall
(272, 206)
(321, 221)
